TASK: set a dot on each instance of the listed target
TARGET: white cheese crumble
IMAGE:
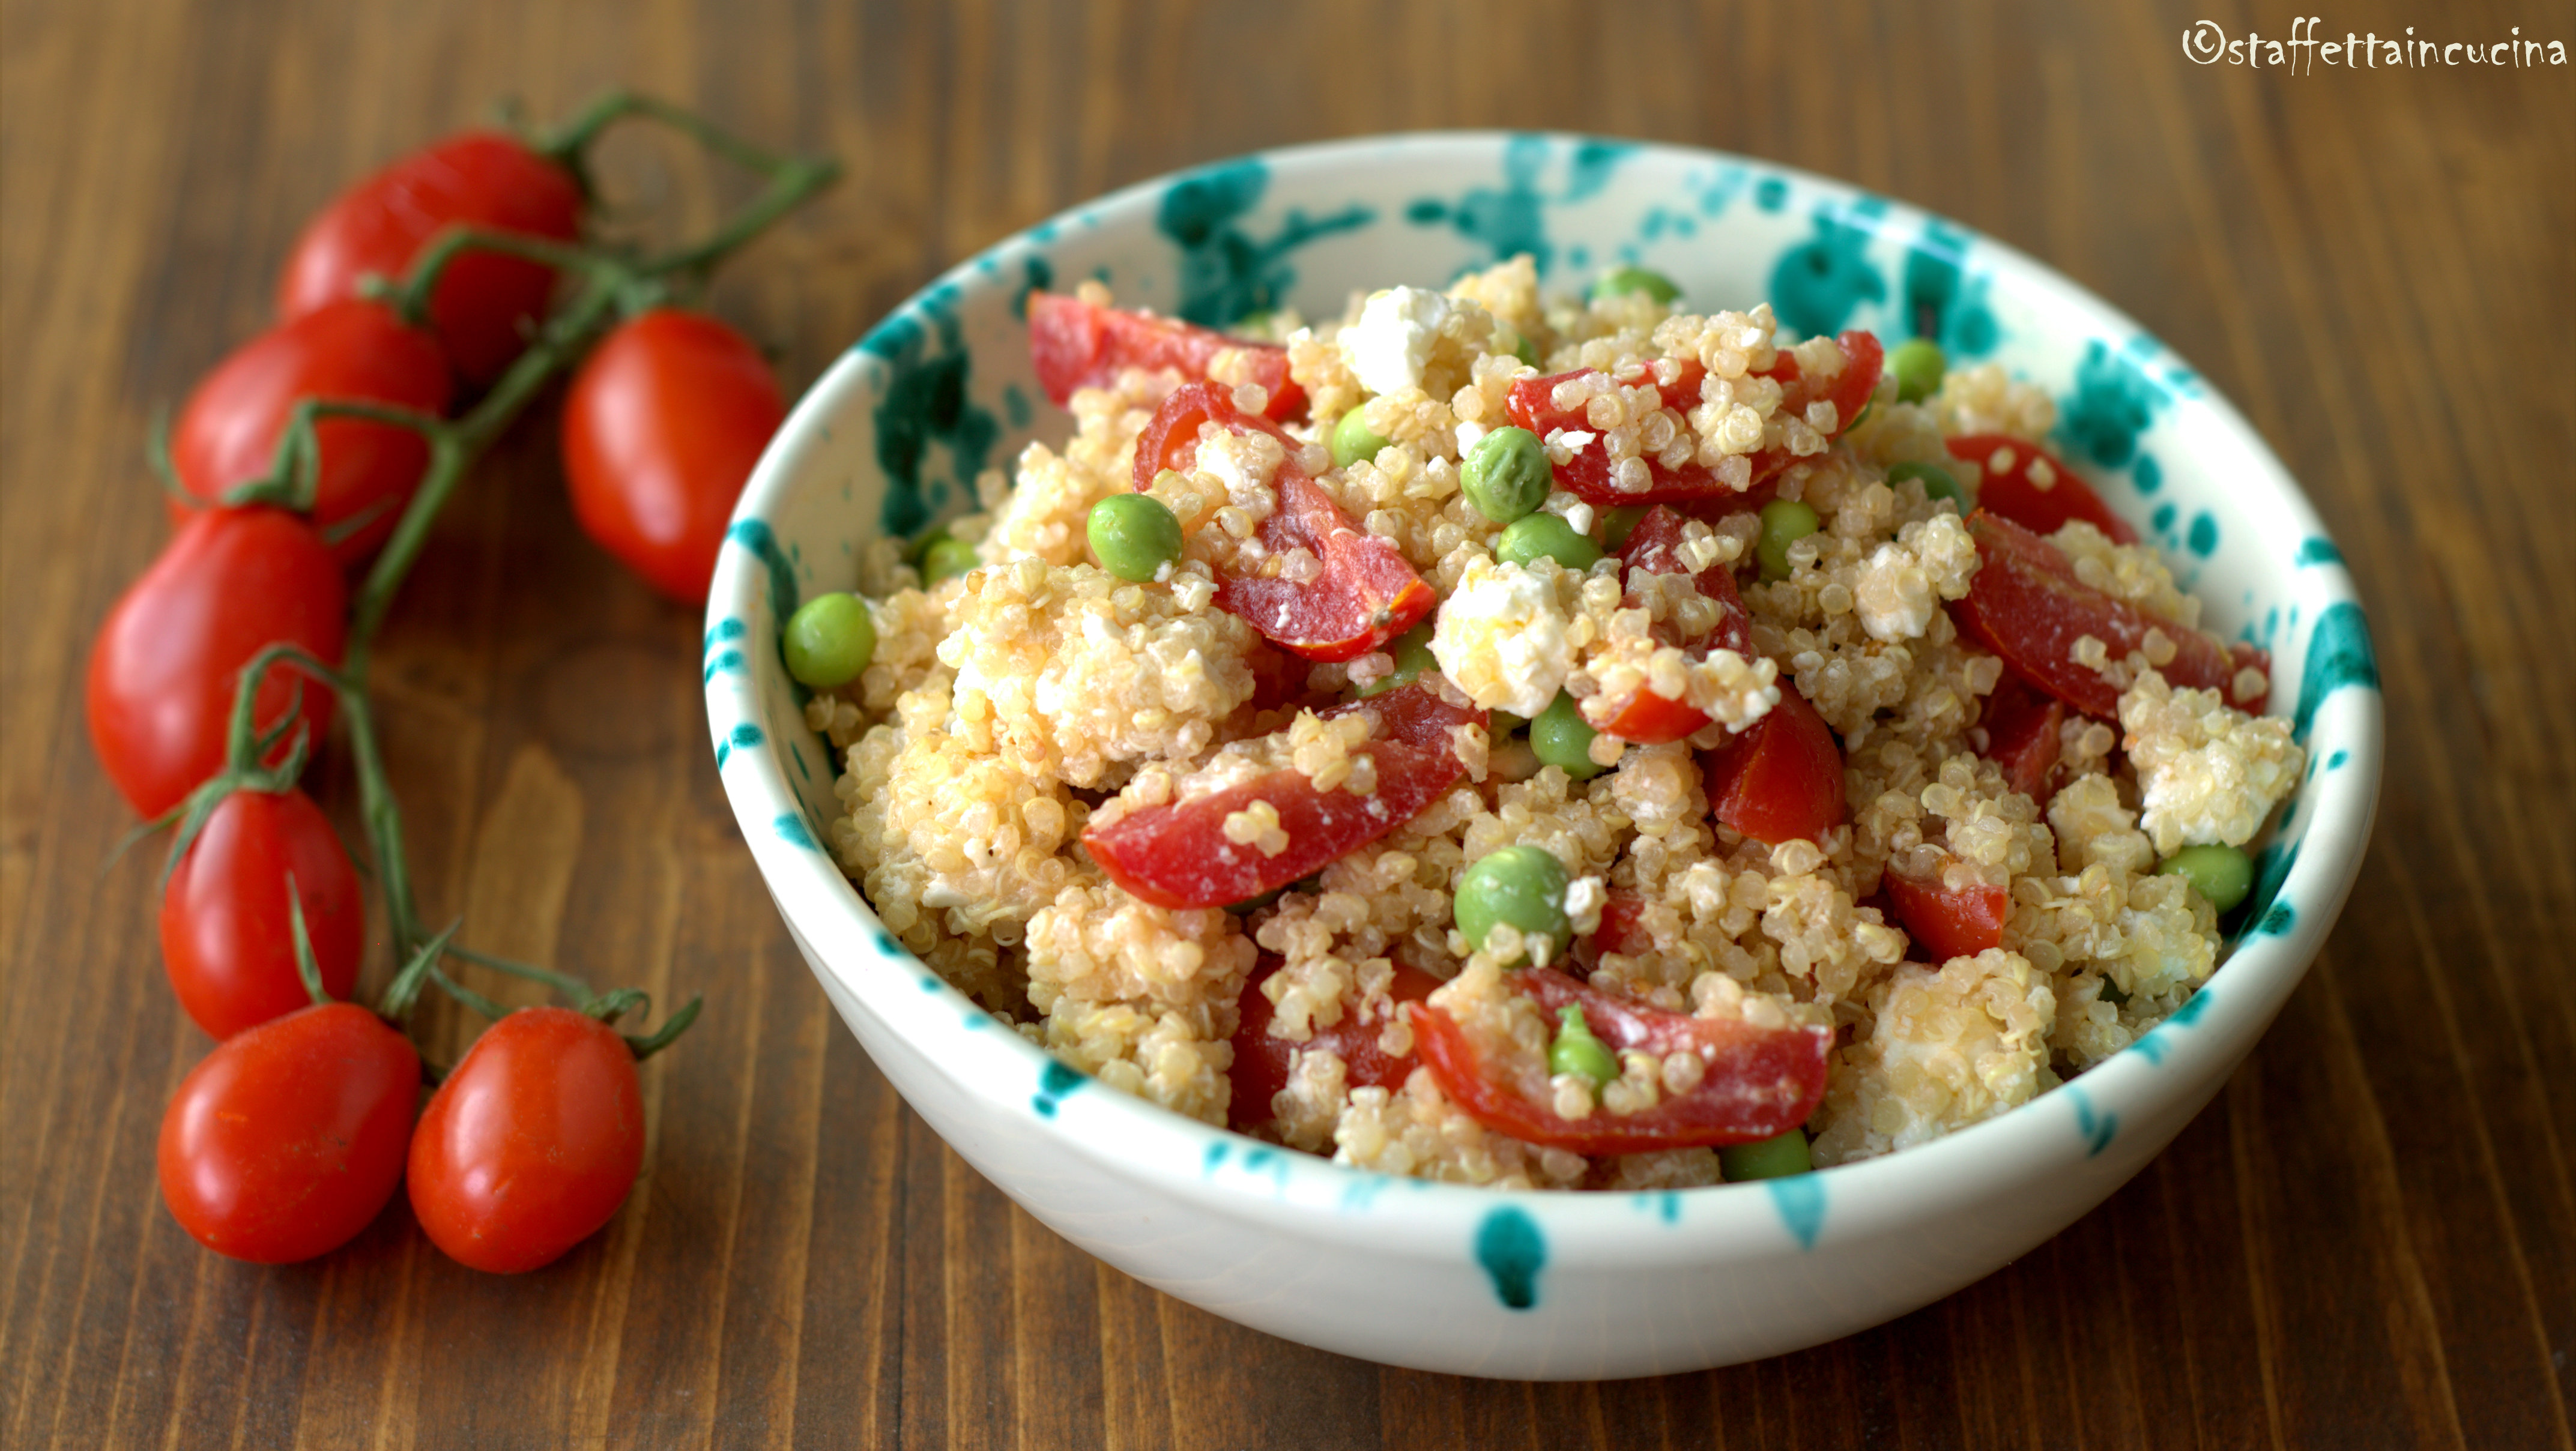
(1391, 342)
(1502, 636)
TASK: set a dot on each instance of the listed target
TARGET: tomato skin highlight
(1074, 344)
(660, 432)
(2013, 495)
(348, 350)
(485, 304)
(1759, 1081)
(1263, 1063)
(1177, 855)
(1960, 923)
(1781, 778)
(1654, 545)
(161, 673)
(289, 1138)
(531, 1144)
(227, 939)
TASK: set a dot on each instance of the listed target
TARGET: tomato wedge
(1262, 1063)
(1757, 1082)
(1587, 473)
(1177, 854)
(1654, 546)
(2027, 606)
(1367, 594)
(2011, 491)
(2021, 723)
(1782, 778)
(1949, 923)
(1075, 344)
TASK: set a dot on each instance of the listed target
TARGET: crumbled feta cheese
(1391, 342)
(1502, 636)
(1469, 435)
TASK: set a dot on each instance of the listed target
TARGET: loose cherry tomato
(1654, 546)
(660, 432)
(350, 350)
(2021, 724)
(2013, 468)
(1177, 854)
(486, 304)
(227, 938)
(1950, 923)
(2026, 605)
(531, 1143)
(1782, 777)
(1757, 1081)
(1587, 474)
(289, 1138)
(1076, 345)
(161, 673)
(1367, 594)
(1262, 1063)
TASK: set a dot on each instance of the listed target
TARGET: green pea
(1500, 723)
(1784, 522)
(1917, 366)
(1563, 738)
(1619, 280)
(1412, 654)
(1776, 1157)
(1522, 885)
(1526, 351)
(1354, 440)
(1545, 536)
(1507, 475)
(829, 640)
(1134, 535)
(1937, 482)
(1618, 522)
(947, 557)
(2222, 874)
(1577, 1051)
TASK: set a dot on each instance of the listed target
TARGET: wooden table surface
(2369, 1239)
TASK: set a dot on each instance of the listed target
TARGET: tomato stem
(305, 965)
(672, 1027)
(466, 995)
(404, 991)
(563, 982)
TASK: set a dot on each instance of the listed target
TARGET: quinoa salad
(1544, 742)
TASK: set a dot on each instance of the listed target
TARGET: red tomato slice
(1782, 778)
(1177, 855)
(2021, 723)
(1655, 546)
(1076, 345)
(1262, 1063)
(1587, 474)
(1367, 596)
(2026, 605)
(1950, 923)
(1758, 1081)
(2011, 491)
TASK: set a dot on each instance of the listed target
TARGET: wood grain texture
(2369, 1239)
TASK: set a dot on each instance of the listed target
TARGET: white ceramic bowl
(1538, 1285)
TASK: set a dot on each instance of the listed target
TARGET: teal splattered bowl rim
(891, 436)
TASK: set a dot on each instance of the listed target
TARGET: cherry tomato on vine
(227, 938)
(660, 431)
(532, 1142)
(161, 672)
(486, 304)
(350, 350)
(288, 1139)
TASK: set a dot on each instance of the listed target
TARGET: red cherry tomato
(1262, 1063)
(1367, 594)
(1076, 345)
(289, 1138)
(1587, 474)
(227, 938)
(1758, 1081)
(2027, 606)
(1177, 854)
(486, 304)
(1960, 923)
(660, 432)
(161, 673)
(531, 1143)
(2012, 488)
(356, 351)
(2021, 724)
(1654, 546)
(1782, 777)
